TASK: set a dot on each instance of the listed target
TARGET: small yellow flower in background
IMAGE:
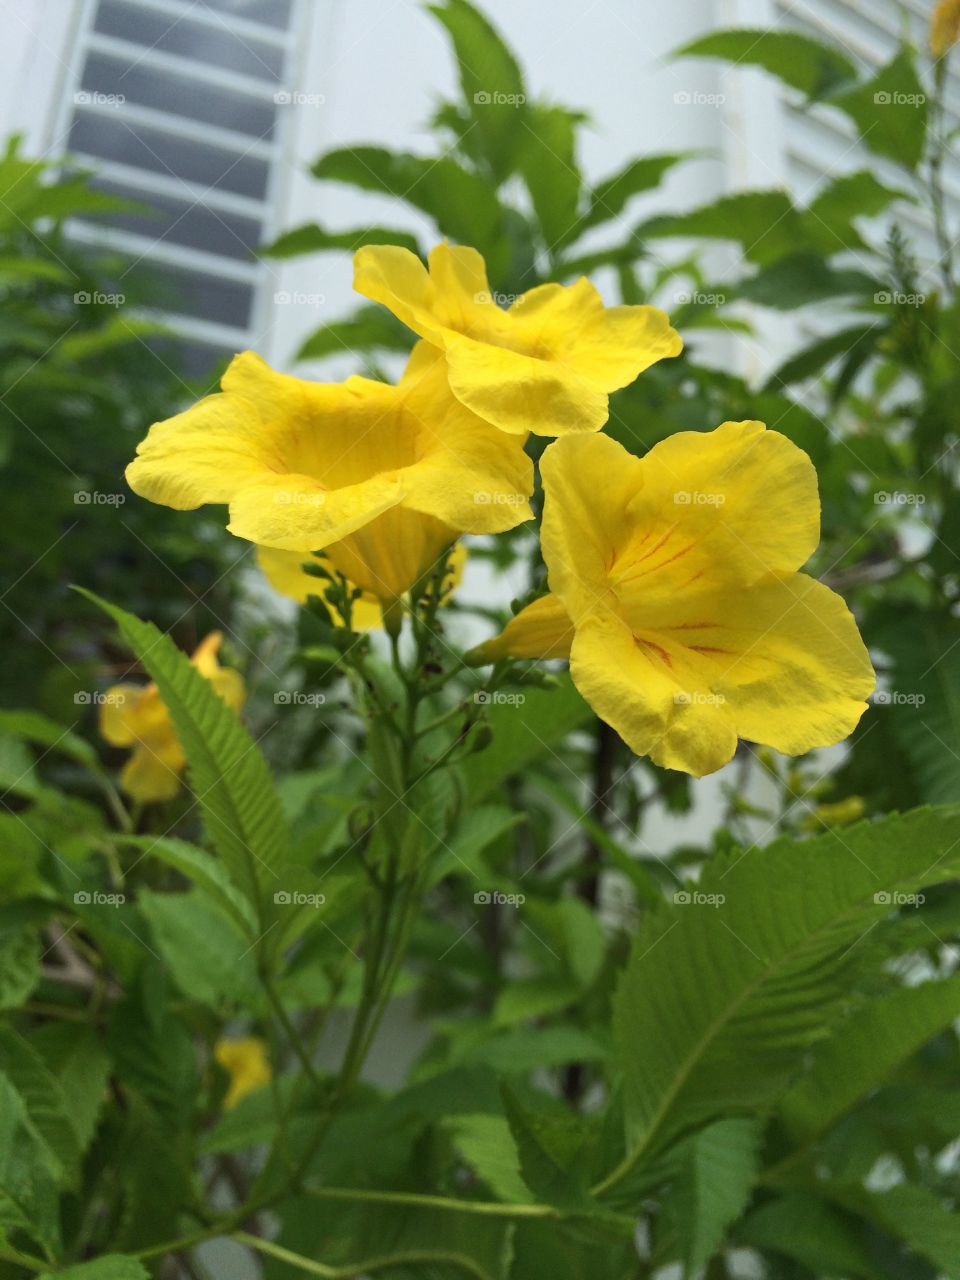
(944, 27)
(676, 593)
(245, 1062)
(545, 365)
(838, 813)
(381, 478)
(285, 572)
(134, 715)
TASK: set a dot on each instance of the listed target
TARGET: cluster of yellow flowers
(674, 579)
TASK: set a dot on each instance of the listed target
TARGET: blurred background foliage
(818, 1179)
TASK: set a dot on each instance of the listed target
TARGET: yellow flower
(839, 813)
(134, 715)
(545, 365)
(382, 478)
(944, 27)
(676, 593)
(245, 1061)
(285, 572)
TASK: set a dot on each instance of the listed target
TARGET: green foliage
(639, 1043)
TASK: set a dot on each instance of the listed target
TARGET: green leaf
(801, 279)
(551, 172)
(36, 728)
(111, 1266)
(463, 205)
(923, 703)
(491, 81)
(28, 1169)
(372, 328)
(45, 1100)
(723, 993)
(19, 966)
(548, 1144)
(864, 1051)
(814, 358)
(312, 238)
(915, 1215)
(716, 1169)
(799, 61)
(200, 867)
(610, 197)
(816, 1235)
(766, 224)
(82, 1066)
(485, 1143)
(228, 774)
(208, 958)
(522, 732)
(854, 195)
(890, 111)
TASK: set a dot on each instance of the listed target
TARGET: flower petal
(152, 774)
(646, 699)
(799, 674)
(588, 481)
(747, 497)
(471, 476)
(118, 714)
(298, 513)
(212, 450)
(541, 630)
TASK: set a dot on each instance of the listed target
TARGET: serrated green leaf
(491, 82)
(462, 204)
(610, 197)
(209, 959)
(722, 994)
(890, 110)
(200, 867)
(312, 238)
(818, 1236)
(551, 173)
(800, 61)
(715, 1172)
(913, 1214)
(864, 1051)
(229, 776)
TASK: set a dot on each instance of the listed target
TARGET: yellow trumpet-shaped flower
(944, 27)
(675, 592)
(134, 715)
(285, 572)
(544, 365)
(245, 1062)
(382, 478)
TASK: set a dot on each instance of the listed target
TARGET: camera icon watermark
(494, 98)
(896, 898)
(498, 698)
(494, 898)
(298, 698)
(693, 498)
(94, 898)
(296, 898)
(694, 898)
(294, 98)
(97, 298)
(94, 498)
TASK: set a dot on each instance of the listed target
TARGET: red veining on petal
(706, 648)
(655, 648)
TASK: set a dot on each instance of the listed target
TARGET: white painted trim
(178, 10)
(182, 127)
(187, 68)
(158, 250)
(163, 184)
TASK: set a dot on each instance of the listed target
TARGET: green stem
(367, 1265)
(487, 1208)
(9, 1254)
(290, 1031)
